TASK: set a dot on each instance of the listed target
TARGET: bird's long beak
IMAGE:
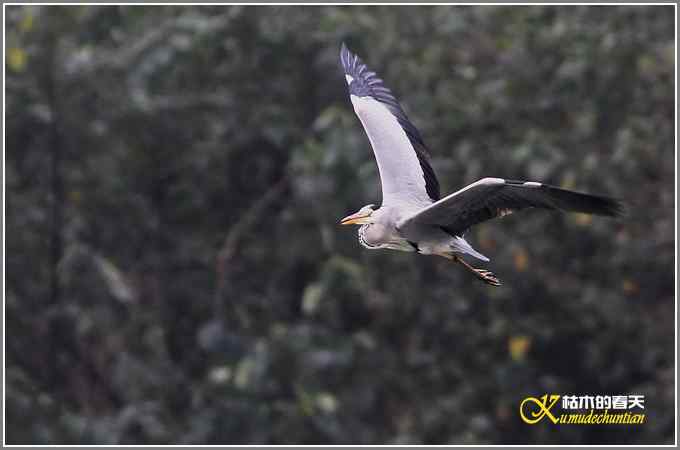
(355, 219)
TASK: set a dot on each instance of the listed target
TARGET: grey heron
(412, 216)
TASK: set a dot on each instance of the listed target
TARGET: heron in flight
(413, 217)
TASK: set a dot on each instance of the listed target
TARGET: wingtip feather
(586, 203)
(344, 56)
(616, 208)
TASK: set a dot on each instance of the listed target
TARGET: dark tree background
(175, 269)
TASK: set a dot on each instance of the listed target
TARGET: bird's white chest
(376, 236)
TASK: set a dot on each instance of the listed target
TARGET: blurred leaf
(16, 59)
(518, 347)
(311, 298)
(583, 219)
(521, 259)
(630, 287)
(326, 402)
(27, 21)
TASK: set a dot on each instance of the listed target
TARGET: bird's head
(361, 217)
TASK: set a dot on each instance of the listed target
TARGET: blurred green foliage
(175, 272)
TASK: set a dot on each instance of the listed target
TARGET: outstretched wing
(495, 197)
(405, 171)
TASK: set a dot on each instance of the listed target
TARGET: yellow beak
(355, 219)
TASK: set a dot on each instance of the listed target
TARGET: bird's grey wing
(495, 197)
(403, 162)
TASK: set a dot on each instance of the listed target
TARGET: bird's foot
(484, 275)
(487, 277)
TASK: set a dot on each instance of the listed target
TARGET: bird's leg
(484, 275)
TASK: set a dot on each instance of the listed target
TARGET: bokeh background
(175, 269)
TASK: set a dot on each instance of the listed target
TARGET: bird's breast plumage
(376, 236)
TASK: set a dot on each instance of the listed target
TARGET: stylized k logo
(544, 405)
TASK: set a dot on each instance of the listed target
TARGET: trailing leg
(484, 275)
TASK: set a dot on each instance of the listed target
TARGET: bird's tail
(460, 245)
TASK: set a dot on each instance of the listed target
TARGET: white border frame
(4, 403)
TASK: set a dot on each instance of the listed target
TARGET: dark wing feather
(494, 197)
(366, 83)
